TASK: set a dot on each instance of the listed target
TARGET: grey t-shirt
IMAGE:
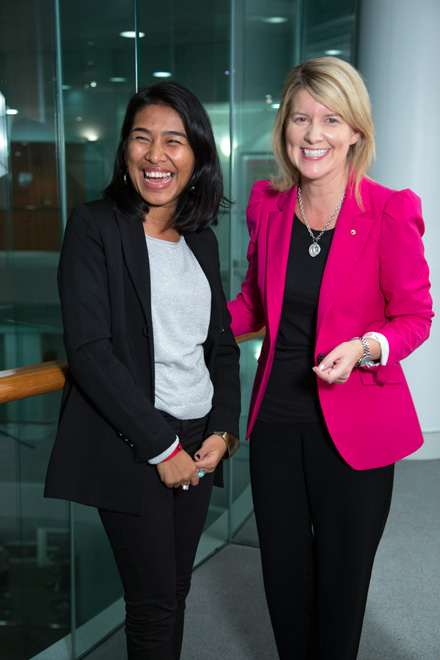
(181, 310)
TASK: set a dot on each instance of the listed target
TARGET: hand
(179, 470)
(337, 365)
(210, 453)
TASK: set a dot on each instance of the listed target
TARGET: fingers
(210, 453)
(337, 365)
(179, 470)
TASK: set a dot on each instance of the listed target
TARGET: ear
(355, 137)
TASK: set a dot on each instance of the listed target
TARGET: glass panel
(98, 78)
(34, 533)
(29, 218)
(34, 537)
(330, 29)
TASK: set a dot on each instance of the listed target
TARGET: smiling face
(159, 158)
(317, 140)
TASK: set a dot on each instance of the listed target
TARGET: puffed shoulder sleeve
(404, 275)
(247, 309)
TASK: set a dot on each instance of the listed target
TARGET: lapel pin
(353, 231)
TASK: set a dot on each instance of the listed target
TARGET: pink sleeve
(247, 309)
(404, 276)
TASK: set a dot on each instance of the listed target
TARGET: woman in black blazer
(151, 401)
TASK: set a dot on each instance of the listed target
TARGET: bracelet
(174, 453)
(231, 441)
(365, 359)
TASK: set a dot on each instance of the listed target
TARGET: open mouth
(315, 153)
(157, 178)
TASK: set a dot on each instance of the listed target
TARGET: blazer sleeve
(247, 309)
(404, 276)
(88, 280)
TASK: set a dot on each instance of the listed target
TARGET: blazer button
(320, 358)
(145, 331)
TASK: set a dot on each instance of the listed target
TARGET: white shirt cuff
(164, 454)
(384, 348)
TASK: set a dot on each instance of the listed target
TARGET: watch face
(364, 361)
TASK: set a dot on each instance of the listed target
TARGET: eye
(332, 120)
(300, 120)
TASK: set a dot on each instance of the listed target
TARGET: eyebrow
(148, 132)
(304, 114)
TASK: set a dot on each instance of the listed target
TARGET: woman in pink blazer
(337, 276)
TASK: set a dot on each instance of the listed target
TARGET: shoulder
(263, 192)
(98, 209)
(398, 210)
(379, 197)
(205, 238)
(264, 200)
(91, 224)
(91, 216)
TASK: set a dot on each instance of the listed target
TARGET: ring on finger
(185, 486)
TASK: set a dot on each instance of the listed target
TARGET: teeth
(157, 175)
(315, 152)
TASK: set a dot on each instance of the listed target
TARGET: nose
(155, 153)
(314, 132)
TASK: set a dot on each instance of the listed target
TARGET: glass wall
(67, 71)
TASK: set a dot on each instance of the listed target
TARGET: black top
(292, 394)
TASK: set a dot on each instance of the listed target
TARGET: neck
(159, 225)
(318, 192)
(320, 201)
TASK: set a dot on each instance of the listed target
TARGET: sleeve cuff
(164, 454)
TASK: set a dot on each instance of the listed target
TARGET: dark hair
(199, 203)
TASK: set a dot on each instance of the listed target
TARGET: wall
(398, 56)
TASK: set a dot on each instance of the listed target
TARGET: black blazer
(108, 426)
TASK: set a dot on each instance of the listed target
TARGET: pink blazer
(376, 279)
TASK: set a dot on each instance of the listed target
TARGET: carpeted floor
(227, 617)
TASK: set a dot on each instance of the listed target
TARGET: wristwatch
(366, 358)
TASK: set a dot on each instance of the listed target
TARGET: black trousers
(319, 524)
(155, 554)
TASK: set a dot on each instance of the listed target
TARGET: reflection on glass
(34, 534)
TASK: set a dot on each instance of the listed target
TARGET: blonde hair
(337, 85)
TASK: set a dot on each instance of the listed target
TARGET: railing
(46, 377)
(36, 379)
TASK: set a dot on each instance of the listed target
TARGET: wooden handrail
(36, 379)
(47, 377)
(252, 335)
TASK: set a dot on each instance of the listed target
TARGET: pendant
(314, 250)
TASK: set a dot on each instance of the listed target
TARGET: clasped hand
(337, 365)
(182, 469)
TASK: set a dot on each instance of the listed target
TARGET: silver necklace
(314, 248)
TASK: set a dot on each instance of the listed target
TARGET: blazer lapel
(198, 245)
(351, 234)
(136, 257)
